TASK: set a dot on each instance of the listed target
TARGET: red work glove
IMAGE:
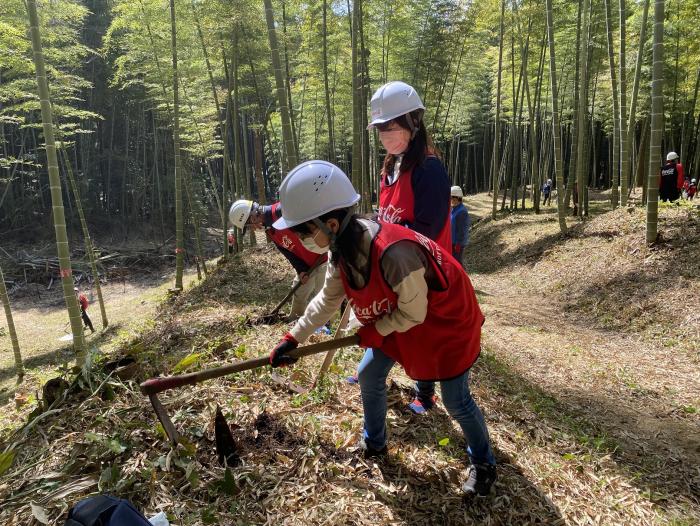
(278, 356)
(370, 337)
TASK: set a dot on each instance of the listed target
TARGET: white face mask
(395, 141)
(310, 244)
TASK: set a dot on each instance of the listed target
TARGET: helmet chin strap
(334, 236)
(413, 125)
(414, 128)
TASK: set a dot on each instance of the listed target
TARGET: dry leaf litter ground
(589, 381)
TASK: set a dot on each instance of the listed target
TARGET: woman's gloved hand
(278, 356)
(370, 337)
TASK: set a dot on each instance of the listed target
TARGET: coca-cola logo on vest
(371, 312)
(287, 243)
(391, 214)
(430, 246)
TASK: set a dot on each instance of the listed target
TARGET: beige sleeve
(322, 306)
(412, 306)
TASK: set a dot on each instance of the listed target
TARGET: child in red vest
(414, 300)
(245, 213)
(83, 301)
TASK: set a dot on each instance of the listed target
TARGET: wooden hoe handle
(157, 385)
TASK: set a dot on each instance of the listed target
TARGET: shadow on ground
(665, 467)
(422, 498)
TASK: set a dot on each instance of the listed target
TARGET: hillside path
(638, 397)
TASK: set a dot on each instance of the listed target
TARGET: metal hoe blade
(167, 424)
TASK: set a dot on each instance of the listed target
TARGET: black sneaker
(369, 452)
(481, 478)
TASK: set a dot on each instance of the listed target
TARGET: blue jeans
(372, 373)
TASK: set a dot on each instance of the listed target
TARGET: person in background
(414, 187)
(460, 221)
(415, 302)
(671, 180)
(301, 255)
(547, 192)
(231, 239)
(692, 189)
(83, 301)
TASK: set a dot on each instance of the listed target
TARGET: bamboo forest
(333, 262)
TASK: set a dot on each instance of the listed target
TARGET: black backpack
(104, 510)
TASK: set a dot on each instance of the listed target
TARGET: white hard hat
(240, 212)
(693, 181)
(392, 100)
(456, 191)
(672, 156)
(312, 189)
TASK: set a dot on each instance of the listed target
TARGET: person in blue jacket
(460, 222)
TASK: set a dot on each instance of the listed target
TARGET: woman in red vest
(245, 213)
(414, 187)
(415, 302)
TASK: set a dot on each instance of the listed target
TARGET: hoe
(272, 316)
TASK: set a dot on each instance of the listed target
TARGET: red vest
(447, 343)
(83, 301)
(288, 240)
(396, 205)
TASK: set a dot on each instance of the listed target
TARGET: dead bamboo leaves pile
(297, 460)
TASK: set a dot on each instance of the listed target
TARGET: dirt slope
(592, 423)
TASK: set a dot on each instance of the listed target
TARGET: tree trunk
(287, 83)
(247, 172)
(242, 183)
(179, 225)
(327, 91)
(637, 75)
(366, 204)
(624, 157)
(19, 367)
(496, 140)
(616, 110)
(657, 122)
(573, 156)
(581, 156)
(356, 173)
(195, 214)
(643, 154)
(289, 159)
(687, 134)
(257, 138)
(59, 219)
